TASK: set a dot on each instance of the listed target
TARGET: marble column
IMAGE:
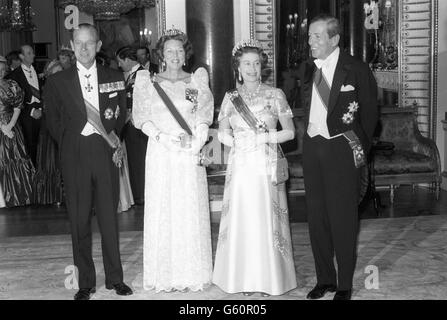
(209, 25)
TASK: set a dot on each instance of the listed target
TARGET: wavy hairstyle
(187, 46)
(236, 59)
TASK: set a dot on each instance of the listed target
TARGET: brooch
(108, 114)
(191, 95)
(348, 117)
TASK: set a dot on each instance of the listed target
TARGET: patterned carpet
(410, 254)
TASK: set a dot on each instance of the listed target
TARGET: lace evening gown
(16, 169)
(254, 251)
(177, 230)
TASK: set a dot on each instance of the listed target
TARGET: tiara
(173, 32)
(64, 47)
(246, 43)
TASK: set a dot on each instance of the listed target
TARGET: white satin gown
(177, 231)
(254, 250)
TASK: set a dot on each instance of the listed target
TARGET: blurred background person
(48, 186)
(135, 139)
(16, 168)
(144, 58)
(31, 114)
(13, 59)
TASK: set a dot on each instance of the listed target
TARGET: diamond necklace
(249, 94)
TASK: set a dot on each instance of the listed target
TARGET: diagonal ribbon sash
(111, 138)
(245, 112)
(35, 92)
(323, 88)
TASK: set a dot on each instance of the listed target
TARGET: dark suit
(30, 126)
(331, 178)
(136, 144)
(90, 176)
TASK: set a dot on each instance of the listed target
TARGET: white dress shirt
(134, 69)
(318, 112)
(91, 95)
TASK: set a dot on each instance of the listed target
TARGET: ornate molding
(161, 13)
(262, 25)
(418, 22)
(434, 69)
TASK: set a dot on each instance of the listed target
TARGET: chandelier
(107, 9)
(16, 15)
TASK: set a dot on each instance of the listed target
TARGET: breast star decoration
(108, 114)
(348, 117)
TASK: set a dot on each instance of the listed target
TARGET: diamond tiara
(246, 43)
(173, 32)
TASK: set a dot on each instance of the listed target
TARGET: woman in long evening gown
(177, 230)
(48, 186)
(254, 250)
(16, 168)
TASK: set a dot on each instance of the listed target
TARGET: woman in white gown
(254, 251)
(177, 232)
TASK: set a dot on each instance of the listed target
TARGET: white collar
(134, 68)
(333, 57)
(24, 67)
(84, 70)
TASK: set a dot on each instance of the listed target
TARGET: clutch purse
(279, 168)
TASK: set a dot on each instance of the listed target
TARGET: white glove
(170, 142)
(225, 138)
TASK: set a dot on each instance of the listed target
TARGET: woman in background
(16, 168)
(48, 187)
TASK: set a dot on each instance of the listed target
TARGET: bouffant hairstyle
(187, 46)
(236, 59)
(127, 52)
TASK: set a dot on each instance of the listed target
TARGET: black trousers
(91, 181)
(136, 145)
(31, 130)
(332, 187)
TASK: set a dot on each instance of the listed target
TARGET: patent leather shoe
(121, 289)
(343, 295)
(85, 293)
(320, 290)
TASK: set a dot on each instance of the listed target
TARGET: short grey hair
(89, 27)
(333, 24)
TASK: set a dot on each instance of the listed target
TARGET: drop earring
(239, 77)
